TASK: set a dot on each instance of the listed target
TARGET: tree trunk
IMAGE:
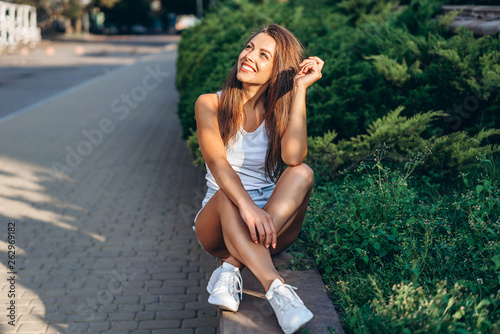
(68, 26)
(78, 25)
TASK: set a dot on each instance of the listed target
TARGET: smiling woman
(248, 132)
(264, 46)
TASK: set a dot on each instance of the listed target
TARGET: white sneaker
(227, 291)
(291, 312)
(216, 275)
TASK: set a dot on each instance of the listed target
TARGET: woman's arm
(213, 151)
(294, 140)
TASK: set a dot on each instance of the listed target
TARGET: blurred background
(115, 16)
(133, 16)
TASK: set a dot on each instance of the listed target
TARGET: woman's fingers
(262, 233)
(272, 240)
(267, 232)
(269, 237)
(305, 69)
(312, 66)
(311, 71)
(261, 227)
(270, 231)
(313, 60)
(319, 62)
(253, 232)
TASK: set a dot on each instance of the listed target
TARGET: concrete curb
(255, 314)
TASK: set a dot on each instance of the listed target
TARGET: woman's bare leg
(231, 260)
(288, 204)
(232, 238)
(224, 234)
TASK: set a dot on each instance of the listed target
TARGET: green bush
(453, 153)
(377, 58)
(375, 225)
(409, 309)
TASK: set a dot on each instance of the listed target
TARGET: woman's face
(255, 63)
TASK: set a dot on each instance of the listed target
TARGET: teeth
(248, 68)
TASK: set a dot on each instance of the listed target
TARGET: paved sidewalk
(102, 192)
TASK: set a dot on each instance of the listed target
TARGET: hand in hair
(309, 73)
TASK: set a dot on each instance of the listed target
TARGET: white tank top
(246, 153)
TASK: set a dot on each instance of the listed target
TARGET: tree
(45, 8)
(103, 3)
(73, 9)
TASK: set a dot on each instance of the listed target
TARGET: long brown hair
(278, 98)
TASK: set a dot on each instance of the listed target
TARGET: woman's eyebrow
(261, 49)
(270, 54)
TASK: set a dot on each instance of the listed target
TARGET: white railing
(17, 26)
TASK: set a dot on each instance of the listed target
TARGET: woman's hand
(260, 224)
(309, 73)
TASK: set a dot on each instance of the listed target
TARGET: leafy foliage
(377, 58)
(376, 226)
(452, 153)
(73, 9)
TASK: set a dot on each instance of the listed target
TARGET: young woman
(247, 133)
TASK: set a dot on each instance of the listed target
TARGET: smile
(247, 68)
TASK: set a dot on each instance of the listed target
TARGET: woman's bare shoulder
(207, 102)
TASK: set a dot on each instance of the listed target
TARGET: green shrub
(452, 153)
(375, 225)
(410, 309)
(377, 58)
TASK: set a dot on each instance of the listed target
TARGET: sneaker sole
(222, 306)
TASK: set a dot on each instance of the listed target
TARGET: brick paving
(104, 245)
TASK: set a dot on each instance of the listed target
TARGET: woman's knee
(219, 252)
(304, 174)
(212, 244)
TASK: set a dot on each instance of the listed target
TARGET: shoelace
(233, 281)
(286, 296)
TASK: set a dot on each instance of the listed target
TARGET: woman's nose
(250, 56)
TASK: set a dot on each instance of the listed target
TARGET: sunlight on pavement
(5, 245)
(31, 310)
(22, 182)
(30, 307)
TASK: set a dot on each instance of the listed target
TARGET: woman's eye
(264, 55)
(248, 47)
